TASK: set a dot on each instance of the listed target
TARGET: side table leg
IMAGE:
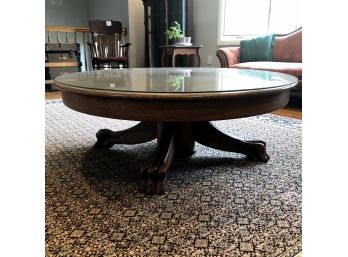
(163, 58)
(173, 59)
(198, 59)
(207, 134)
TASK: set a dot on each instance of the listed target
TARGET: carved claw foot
(152, 180)
(176, 139)
(140, 133)
(257, 151)
(104, 139)
(153, 176)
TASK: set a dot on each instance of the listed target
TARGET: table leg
(153, 176)
(198, 58)
(207, 134)
(186, 57)
(173, 59)
(163, 58)
(176, 139)
(140, 133)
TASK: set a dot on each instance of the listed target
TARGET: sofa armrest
(228, 56)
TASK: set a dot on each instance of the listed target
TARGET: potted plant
(175, 33)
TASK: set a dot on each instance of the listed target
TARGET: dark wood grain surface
(178, 120)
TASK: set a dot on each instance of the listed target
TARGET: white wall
(205, 25)
(136, 32)
(70, 13)
(109, 10)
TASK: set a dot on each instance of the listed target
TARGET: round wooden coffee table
(176, 105)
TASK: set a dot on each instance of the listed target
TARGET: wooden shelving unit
(63, 57)
(60, 59)
(61, 64)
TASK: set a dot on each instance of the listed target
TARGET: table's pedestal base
(176, 139)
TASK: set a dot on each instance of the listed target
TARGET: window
(240, 19)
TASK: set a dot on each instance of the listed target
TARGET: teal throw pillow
(257, 49)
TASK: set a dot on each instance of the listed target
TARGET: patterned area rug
(217, 203)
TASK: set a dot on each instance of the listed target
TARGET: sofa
(286, 57)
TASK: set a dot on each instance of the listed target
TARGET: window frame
(221, 39)
(228, 40)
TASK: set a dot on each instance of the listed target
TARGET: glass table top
(177, 80)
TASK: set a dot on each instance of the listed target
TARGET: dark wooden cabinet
(158, 16)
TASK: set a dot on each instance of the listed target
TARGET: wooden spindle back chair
(107, 45)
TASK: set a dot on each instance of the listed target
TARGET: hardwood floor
(289, 111)
(53, 95)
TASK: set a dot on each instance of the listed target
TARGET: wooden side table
(174, 50)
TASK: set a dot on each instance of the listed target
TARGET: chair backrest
(106, 38)
(288, 47)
